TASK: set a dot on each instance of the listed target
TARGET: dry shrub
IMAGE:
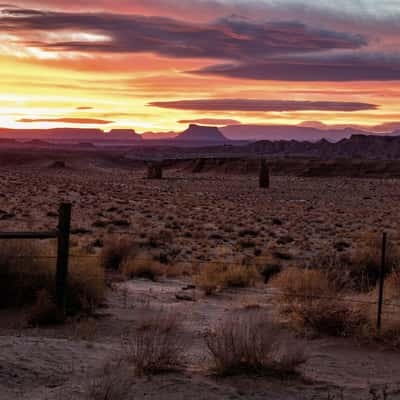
(112, 382)
(268, 271)
(214, 276)
(22, 273)
(86, 329)
(392, 286)
(116, 250)
(156, 345)
(360, 270)
(27, 277)
(312, 304)
(388, 336)
(44, 311)
(250, 343)
(177, 270)
(298, 284)
(141, 266)
(86, 285)
(326, 317)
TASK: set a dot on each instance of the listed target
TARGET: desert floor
(59, 363)
(190, 219)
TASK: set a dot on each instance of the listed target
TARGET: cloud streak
(210, 121)
(228, 38)
(252, 105)
(331, 69)
(82, 121)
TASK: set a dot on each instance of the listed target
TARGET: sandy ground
(57, 364)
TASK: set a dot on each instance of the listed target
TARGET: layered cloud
(80, 121)
(224, 39)
(262, 105)
(331, 69)
(210, 121)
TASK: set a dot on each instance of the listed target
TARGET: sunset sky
(157, 65)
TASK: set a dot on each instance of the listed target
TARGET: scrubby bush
(247, 342)
(301, 285)
(327, 317)
(359, 270)
(156, 345)
(22, 273)
(27, 278)
(142, 266)
(112, 382)
(313, 306)
(268, 271)
(214, 276)
(116, 250)
(392, 286)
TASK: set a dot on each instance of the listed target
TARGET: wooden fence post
(154, 170)
(381, 283)
(63, 235)
(264, 175)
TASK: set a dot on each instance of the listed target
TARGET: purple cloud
(224, 39)
(210, 121)
(334, 69)
(251, 105)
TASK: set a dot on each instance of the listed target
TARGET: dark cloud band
(251, 105)
(210, 121)
(333, 69)
(233, 39)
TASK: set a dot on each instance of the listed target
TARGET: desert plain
(186, 222)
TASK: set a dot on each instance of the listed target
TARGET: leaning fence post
(63, 234)
(381, 282)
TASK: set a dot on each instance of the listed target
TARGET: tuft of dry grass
(250, 343)
(313, 306)
(116, 250)
(327, 317)
(142, 266)
(112, 382)
(359, 270)
(86, 329)
(156, 345)
(392, 286)
(44, 310)
(215, 276)
(298, 284)
(22, 274)
(27, 278)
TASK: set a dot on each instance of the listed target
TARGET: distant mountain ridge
(198, 135)
(357, 146)
(287, 132)
(69, 134)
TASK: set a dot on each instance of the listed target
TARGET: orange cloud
(80, 121)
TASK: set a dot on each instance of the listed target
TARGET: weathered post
(154, 171)
(63, 236)
(264, 175)
(381, 282)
